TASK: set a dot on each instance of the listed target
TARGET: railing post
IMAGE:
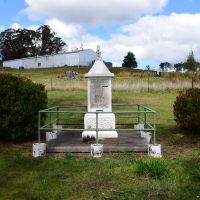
(57, 121)
(138, 114)
(154, 131)
(39, 127)
(145, 116)
(50, 119)
(97, 139)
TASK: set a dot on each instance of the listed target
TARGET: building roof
(69, 52)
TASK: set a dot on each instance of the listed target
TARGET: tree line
(191, 64)
(22, 43)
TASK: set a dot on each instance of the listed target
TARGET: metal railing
(60, 114)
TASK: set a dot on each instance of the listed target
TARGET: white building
(74, 58)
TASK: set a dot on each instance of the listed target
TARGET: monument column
(99, 100)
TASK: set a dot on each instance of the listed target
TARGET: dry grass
(61, 84)
(125, 79)
(155, 86)
(136, 85)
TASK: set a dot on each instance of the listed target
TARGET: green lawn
(115, 176)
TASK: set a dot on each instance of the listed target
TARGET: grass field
(128, 80)
(116, 176)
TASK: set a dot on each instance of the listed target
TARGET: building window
(39, 64)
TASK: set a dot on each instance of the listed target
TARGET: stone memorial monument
(99, 101)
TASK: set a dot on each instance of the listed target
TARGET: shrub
(20, 100)
(187, 109)
(153, 167)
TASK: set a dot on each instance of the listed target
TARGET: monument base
(101, 134)
(105, 121)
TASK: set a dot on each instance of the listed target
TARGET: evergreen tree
(191, 64)
(129, 61)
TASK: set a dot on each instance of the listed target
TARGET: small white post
(154, 150)
(57, 128)
(143, 134)
(148, 137)
(96, 150)
(39, 149)
(139, 126)
(50, 136)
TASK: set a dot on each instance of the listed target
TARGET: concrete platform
(72, 142)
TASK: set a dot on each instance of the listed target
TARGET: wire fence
(129, 84)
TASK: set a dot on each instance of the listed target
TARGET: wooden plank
(72, 142)
(86, 149)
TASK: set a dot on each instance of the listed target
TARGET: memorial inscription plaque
(99, 98)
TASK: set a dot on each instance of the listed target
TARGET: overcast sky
(154, 30)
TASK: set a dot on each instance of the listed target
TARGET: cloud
(33, 27)
(151, 38)
(90, 11)
(74, 35)
(158, 38)
(15, 26)
(20, 26)
(2, 28)
(66, 31)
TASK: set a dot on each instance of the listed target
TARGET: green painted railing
(140, 114)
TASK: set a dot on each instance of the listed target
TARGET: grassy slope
(114, 175)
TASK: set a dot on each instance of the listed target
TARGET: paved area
(72, 142)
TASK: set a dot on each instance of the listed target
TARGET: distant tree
(22, 43)
(18, 43)
(191, 64)
(129, 61)
(49, 43)
(178, 67)
(8, 44)
(148, 67)
(164, 66)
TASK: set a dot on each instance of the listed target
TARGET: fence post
(148, 81)
(192, 81)
(51, 82)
